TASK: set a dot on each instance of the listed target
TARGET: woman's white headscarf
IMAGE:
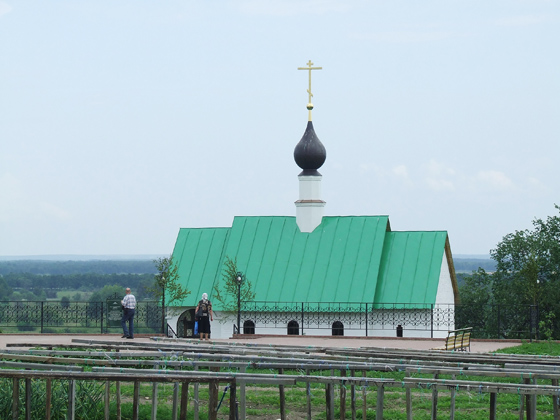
(205, 296)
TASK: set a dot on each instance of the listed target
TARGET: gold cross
(310, 67)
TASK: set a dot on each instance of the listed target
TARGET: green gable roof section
(411, 266)
(199, 256)
(345, 259)
(336, 262)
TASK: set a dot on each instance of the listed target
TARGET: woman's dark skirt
(204, 325)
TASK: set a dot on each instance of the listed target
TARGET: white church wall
(445, 293)
(415, 322)
(445, 297)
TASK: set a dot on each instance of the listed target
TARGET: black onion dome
(310, 154)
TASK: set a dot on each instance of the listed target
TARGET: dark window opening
(337, 328)
(293, 328)
(248, 327)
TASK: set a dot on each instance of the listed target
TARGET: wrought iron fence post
(102, 305)
(537, 318)
(530, 323)
(366, 320)
(42, 313)
(302, 317)
(498, 321)
(432, 321)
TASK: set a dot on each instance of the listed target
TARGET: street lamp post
(239, 278)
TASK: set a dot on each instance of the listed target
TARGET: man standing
(129, 305)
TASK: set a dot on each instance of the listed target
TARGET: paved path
(480, 346)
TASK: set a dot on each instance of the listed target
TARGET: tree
(107, 292)
(476, 299)
(226, 291)
(166, 284)
(5, 290)
(528, 266)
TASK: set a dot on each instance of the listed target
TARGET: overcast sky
(123, 121)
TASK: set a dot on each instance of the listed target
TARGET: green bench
(457, 340)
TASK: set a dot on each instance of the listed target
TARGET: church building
(319, 275)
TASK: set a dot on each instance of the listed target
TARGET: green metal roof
(345, 259)
(411, 266)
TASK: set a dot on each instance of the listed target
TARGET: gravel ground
(480, 346)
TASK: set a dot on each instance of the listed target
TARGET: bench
(457, 340)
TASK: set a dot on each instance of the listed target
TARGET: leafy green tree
(528, 267)
(226, 291)
(5, 290)
(166, 285)
(107, 292)
(476, 299)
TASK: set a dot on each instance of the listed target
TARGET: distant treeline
(464, 265)
(78, 267)
(84, 282)
(64, 268)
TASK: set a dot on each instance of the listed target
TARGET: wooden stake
(452, 404)
(308, 392)
(555, 401)
(232, 400)
(493, 406)
(118, 392)
(107, 399)
(364, 395)
(15, 399)
(48, 398)
(213, 400)
(434, 400)
(196, 403)
(379, 408)
(329, 401)
(342, 396)
(282, 398)
(71, 400)
(184, 400)
(521, 406)
(28, 399)
(136, 400)
(175, 398)
(242, 406)
(353, 396)
(154, 400)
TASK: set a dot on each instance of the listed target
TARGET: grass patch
(544, 348)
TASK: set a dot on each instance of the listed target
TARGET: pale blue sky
(121, 122)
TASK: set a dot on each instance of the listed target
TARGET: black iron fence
(75, 317)
(329, 318)
(348, 318)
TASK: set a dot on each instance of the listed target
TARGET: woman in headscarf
(204, 314)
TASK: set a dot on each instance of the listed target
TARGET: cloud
(402, 37)
(439, 177)
(56, 212)
(17, 204)
(401, 173)
(494, 180)
(525, 20)
(292, 7)
(5, 8)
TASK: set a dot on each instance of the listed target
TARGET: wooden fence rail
(346, 372)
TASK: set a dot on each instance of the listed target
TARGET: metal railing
(74, 317)
(490, 321)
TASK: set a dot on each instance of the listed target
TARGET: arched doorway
(293, 328)
(337, 328)
(185, 324)
(248, 327)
